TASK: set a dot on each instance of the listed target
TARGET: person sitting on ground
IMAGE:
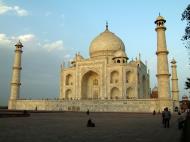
(90, 123)
(179, 113)
(154, 112)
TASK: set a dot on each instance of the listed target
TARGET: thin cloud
(57, 45)
(67, 56)
(26, 37)
(6, 41)
(33, 44)
(20, 11)
(15, 9)
(4, 8)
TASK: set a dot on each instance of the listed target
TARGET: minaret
(175, 89)
(162, 60)
(15, 82)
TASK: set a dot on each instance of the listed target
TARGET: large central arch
(90, 86)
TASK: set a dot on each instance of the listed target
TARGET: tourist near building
(106, 81)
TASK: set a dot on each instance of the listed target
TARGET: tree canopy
(186, 36)
(187, 83)
(186, 17)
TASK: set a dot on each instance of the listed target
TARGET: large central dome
(106, 44)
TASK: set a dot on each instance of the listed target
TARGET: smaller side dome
(77, 57)
(173, 61)
(19, 44)
(120, 53)
(155, 89)
(160, 18)
(154, 93)
(120, 57)
(184, 97)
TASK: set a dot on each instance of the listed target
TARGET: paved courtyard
(71, 127)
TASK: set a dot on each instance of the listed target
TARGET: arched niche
(69, 79)
(90, 86)
(68, 94)
(144, 86)
(115, 93)
(114, 78)
(129, 93)
(129, 77)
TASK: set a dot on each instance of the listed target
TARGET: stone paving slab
(71, 127)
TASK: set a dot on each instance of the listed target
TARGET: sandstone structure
(175, 89)
(15, 82)
(107, 74)
(107, 80)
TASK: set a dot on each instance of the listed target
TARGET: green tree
(186, 36)
(186, 17)
(187, 84)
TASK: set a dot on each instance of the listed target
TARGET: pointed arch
(144, 86)
(114, 77)
(128, 77)
(115, 93)
(90, 85)
(69, 79)
(68, 94)
(129, 93)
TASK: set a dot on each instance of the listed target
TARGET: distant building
(185, 103)
(154, 93)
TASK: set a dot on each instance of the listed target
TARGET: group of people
(166, 116)
(182, 118)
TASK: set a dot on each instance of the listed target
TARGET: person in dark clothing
(90, 123)
(167, 117)
(154, 112)
(163, 116)
(36, 108)
(88, 112)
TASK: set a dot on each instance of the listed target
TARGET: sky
(52, 31)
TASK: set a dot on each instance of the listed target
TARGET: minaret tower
(15, 82)
(175, 89)
(162, 60)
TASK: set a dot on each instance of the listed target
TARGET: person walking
(88, 112)
(163, 116)
(167, 117)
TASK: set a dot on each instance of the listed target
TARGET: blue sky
(53, 31)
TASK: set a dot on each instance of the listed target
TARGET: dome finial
(106, 25)
(19, 44)
(139, 56)
(159, 14)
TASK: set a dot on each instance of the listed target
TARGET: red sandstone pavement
(71, 127)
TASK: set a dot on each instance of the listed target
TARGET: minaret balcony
(15, 83)
(163, 74)
(19, 68)
(160, 28)
(162, 52)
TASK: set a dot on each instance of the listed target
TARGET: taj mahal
(107, 81)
